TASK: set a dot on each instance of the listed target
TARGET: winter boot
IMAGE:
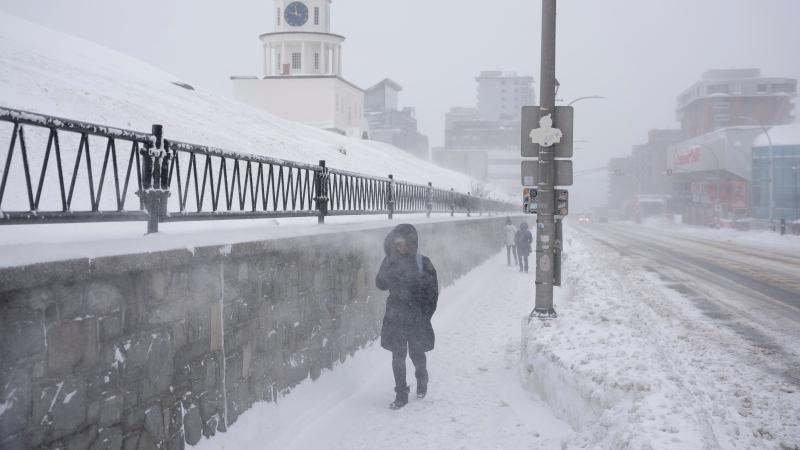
(422, 387)
(402, 397)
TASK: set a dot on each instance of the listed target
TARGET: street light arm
(581, 98)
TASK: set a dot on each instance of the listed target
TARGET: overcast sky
(638, 54)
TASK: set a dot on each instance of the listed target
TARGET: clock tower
(302, 71)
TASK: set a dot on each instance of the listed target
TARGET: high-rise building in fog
(484, 142)
(722, 96)
(502, 95)
(390, 125)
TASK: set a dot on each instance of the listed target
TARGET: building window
(279, 63)
(516, 90)
(761, 89)
(717, 89)
(316, 61)
(502, 99)
(295, 60)
(737, 88)
(279, 16)
(503, 91)
(316, 15)
(337, 103)
(784, 87)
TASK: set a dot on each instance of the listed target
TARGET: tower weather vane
(546, 135)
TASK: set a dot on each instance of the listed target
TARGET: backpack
(419, 263)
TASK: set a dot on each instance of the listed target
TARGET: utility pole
(545, 219)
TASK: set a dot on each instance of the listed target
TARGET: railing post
(452, 202)
(429, 199)
(390, 196)
(321, 182)
(155, 174)
(469, 203)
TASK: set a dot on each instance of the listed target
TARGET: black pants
(523, 258)
(399, 367)
(509, 250)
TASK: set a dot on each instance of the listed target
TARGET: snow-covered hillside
(52, 73)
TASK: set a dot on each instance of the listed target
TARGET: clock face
(296, 14)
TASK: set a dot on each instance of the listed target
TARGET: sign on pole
(534, 127)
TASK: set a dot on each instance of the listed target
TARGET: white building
(302, 72)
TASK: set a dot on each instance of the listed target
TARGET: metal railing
(176, 181)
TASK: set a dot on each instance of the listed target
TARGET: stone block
(110, 410)
(133, 418)
(176, 443)
(23, 332)
(198, 323)
(72, 346)
(166, 313)
(110, 326)
(174, 420)
(154, 286)
(154, 422)
(216, 326)
(149, 364)
(81, 440)
(108, 438)
(247, 359)
(17, 442)
(70, 302)
(102, 297)
(60, 408)
(15, 388)
(192, 424)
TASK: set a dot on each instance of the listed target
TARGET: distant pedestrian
(413, 289)
(523, 239)
(511, 247)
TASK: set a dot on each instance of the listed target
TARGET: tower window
(295, 60)
(316, 15)
(316, 61)
(279, 16)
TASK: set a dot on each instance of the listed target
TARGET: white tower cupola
(302, 43)
(302, 72)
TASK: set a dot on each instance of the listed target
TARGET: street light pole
(545, 220)
(771, 171)
(794, 171)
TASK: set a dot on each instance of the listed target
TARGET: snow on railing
(177, 181)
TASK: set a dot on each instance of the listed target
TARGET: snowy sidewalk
(475, 398)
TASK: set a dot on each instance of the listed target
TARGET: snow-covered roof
(780, 135)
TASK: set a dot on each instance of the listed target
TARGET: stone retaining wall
(156, 350)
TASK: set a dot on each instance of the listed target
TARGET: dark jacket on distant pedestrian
(523, 238)
(413, 294)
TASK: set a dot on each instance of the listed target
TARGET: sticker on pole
(546, 135)
(529, 203)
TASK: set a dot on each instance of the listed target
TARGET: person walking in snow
(413, 289)
(523, 239)
(511, 246)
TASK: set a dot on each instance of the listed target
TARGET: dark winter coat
(412, 296)
(523, 239)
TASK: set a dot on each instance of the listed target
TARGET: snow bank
(627, 370)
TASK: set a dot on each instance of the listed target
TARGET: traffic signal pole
(545, 220)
